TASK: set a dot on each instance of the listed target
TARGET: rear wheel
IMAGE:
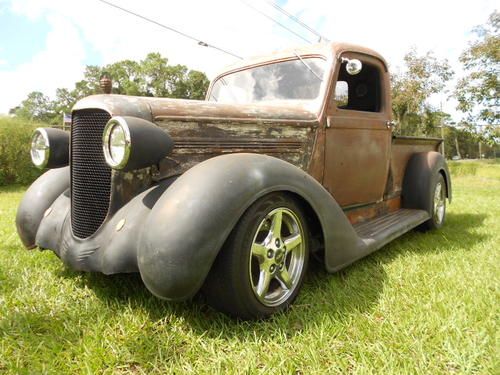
(438, 201)
(260, 269)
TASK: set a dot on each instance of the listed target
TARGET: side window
(360, 92)
(341, 94)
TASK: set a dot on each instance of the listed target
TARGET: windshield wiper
(307, 66)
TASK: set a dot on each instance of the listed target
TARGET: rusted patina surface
(200, 110)
(352, 153)
(126, 185)
(358, 146)
(201, 140)
(360, 214)
(356, 160)
(402, 150)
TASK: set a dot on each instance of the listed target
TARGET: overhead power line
(275, 21)
(200, 42)
(295, 19)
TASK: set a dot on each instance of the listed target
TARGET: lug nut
(269, 253)
(281, 266)
(273, 267)
(277, 242)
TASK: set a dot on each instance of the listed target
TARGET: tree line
(478, 131)
(420, 77)
(152, 76)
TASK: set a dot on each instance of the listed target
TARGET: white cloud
(389, 27)
(58, 65)
(392, 27)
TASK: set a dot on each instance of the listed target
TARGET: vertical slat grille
(90, 174)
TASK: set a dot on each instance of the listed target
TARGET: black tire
(232, 285)
(437, 211)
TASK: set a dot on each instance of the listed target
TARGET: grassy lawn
(427, 303)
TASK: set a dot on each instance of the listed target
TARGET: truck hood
(154, 109)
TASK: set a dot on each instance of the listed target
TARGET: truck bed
(403, 147)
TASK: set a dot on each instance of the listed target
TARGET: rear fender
(421, 170)
(194, 216)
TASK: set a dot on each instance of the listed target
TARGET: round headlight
(116, 143)
(40, 148)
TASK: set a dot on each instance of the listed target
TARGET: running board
(373, 234)
(382, 230)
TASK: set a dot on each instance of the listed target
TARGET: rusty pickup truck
(291, 156)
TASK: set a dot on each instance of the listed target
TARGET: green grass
(489, 167)
(427, 304)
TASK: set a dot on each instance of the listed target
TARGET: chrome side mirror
(353, 66)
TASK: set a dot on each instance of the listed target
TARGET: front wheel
(261, 267)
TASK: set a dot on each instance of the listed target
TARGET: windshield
(298, 79)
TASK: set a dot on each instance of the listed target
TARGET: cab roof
(327, 49)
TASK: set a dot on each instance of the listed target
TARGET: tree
(173, 81)
(37, 107)
(89, 85)
(156, 75)
(152, 76)
(422, 76)
(477, 92)
(127, 77)
(196, 85)
(64, 101)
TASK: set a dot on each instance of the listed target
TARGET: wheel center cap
(280, 254)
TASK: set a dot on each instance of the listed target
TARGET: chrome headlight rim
(40, 132)
(108, 130)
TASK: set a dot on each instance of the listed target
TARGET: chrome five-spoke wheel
(439, 202)
(261, 267)
(277, 257)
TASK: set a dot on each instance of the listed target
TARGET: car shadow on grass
(355, 289)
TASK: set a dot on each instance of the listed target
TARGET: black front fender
(194, 216)
(37, 199)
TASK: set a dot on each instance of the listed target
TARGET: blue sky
(21, 38)
(46, 44)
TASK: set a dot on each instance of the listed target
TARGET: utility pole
(442, 130)
(442, 136)
(458, 149)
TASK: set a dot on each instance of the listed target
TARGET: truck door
(358, 133)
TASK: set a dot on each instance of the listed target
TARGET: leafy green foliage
(15, 162)
(421, 77)
(36, 107)
(426, 303)
(478, 92)
(152, 76)
(425, 75)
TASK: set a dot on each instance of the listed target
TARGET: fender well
(447, 180)
(316, 229)
(192, 219)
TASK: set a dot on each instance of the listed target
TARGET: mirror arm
(353, 66)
